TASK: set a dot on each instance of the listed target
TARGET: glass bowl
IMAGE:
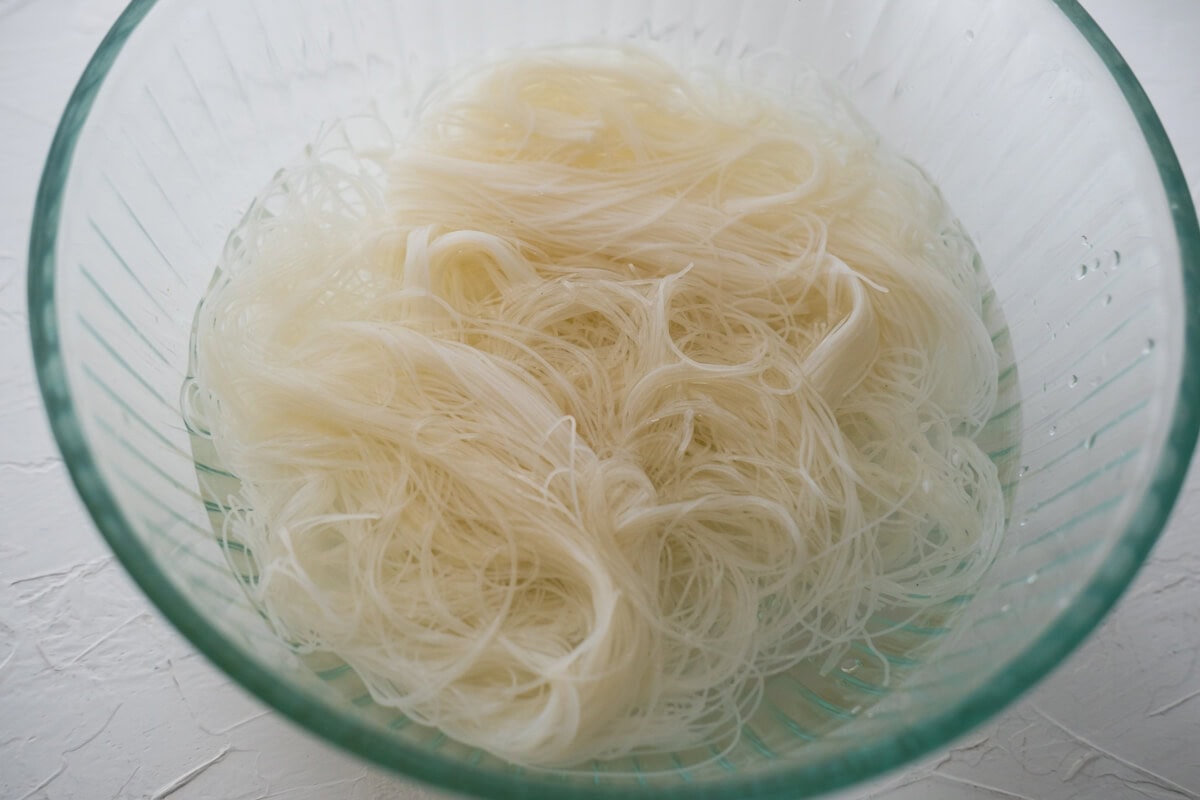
(1021, 111)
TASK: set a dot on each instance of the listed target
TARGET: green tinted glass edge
(1100, 594)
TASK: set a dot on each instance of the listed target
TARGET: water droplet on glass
(1091, 442)
(1031, 578)
(1023, 523)
(1116, 258)
(850, 665)
(1053, 429)
(955, 459)
(1108, 299)
(1149, 346)
(1085, 241)
(1004, 609)
(856, 709)
(1074, 381)
(1082, 273)
(970, 35)
(926, 486)
(1024, 469)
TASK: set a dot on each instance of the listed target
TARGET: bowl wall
(1018, 109)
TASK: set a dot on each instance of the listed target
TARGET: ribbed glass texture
(1019, 109)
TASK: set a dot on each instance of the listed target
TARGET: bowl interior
(1019, 110)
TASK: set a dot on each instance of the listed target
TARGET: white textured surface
(100, 698)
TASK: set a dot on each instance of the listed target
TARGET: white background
(100, 698)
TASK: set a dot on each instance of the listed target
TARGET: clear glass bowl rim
(856, 764)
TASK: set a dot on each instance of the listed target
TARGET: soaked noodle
(598, 399)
